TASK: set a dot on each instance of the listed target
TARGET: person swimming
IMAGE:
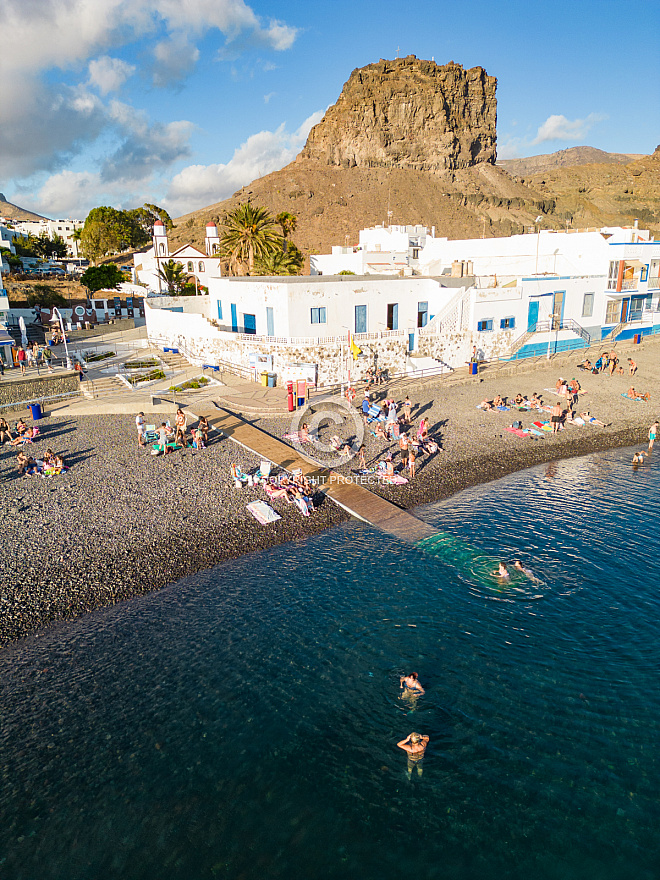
(414, 745)
(502, 571)
(410, 684)
(526, 571)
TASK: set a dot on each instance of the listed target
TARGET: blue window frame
(644, 273)
(482, 326)
(422, 314)
(360, 319)
(393, 316)
(249, 323)
(318, 316)
(270, 322)
(507, 323)
(234, 318)
(219, 311)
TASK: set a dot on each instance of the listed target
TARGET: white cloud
(69, 194)
(559, 128)
(267, 98)
(199, 185)
(174, 59)
(43, 124)
(109, 74)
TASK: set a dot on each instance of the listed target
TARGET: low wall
(13, 393)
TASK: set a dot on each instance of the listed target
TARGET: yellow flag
(356, 351)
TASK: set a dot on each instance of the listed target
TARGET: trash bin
(272, 377)
(474, 368)
(36, 411)
(264, 379)
(637, 338)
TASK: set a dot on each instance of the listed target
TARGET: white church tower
(212, 240)
(161, 246)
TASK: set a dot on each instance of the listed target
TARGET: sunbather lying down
(589, 418)
(635, 395)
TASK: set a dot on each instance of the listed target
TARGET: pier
(355, 499)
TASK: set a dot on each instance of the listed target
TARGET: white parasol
(24, 339)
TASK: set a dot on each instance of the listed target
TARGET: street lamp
(57, 316)
(538, 236)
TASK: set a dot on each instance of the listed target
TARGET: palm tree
(249, 233)
(288, 222)
(287, 262)
(173, 275)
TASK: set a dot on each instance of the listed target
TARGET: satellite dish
(80, 311)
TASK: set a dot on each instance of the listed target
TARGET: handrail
(423, 373)
(19, 403)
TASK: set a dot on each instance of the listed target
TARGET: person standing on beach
(653, 430)
(403, 446)
(139, 424)
(632, 366)
(365, 407)
(406, 409)
(556, 417)
(181, 424)
(414, 745)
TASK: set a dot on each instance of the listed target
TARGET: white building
(590, 286)
(63, 228)
(200, 266)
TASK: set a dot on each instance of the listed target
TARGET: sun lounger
(264, 470)
(237, 474)
(263, 512)
(150, 432)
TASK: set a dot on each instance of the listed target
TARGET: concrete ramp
(350, 496)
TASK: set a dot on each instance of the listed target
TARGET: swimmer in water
(638, 457)
(414, 746)
(502, 571)
(520, 567)
(410, 684)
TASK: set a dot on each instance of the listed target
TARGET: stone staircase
(101, 385)
(176, 362)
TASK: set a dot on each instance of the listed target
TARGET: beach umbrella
(21, 324)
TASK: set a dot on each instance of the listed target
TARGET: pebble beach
(121, 523)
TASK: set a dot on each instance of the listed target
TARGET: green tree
(26, 247)
(143, 220)
(110, 231)
(173, 274)
(106, 277)
(288, 223)
(249, 234)
(48, 247)
(46, 296)
(288, 262)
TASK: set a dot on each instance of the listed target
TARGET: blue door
(532, 315)
(270, 322)
(219, 311)
(234, 319)
(360, 319)
(249, 323)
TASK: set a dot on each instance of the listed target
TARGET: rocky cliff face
(409, 113)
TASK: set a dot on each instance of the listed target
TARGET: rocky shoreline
(122, 523)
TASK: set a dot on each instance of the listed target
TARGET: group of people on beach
(608, 362)
(166, 439)
(49, 464)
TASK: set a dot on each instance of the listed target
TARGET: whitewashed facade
(200, 266)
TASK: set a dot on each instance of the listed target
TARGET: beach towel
(543, 426)
(394, 479)
(578, 420)
(374, 411)
(297, 436)
(627, 396)
(502, 408)
(517, 431)
(263, 512)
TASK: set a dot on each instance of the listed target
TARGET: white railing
(453, 318)
(316, 340)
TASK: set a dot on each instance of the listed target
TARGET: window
(507, 323)
(422, 314)
(249, 323)
(162, 250)
(216, 248)
(219, 311)
(393, 316)
(360, 319)
(613, 275)
(191, 267)
(318, 316)
(415, 254)
(588, 305)
(201, 266)
(482, 326)
(270, 321)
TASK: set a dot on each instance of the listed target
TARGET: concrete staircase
(100, 386)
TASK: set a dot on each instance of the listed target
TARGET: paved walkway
(355, 499)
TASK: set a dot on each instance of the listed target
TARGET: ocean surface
(242, 724)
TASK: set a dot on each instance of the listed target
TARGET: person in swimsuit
(526, 571)
(414, 745)
(556, 417)
(203, 430)
(406, 409)
(410, 685)
(403, 446)
(502, 572)
(653, 430)
(5, 433)
(632, 366)
(638, 458)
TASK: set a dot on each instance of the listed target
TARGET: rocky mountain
(409, 113)
(564, 158)
(13, 212)
(410, 141)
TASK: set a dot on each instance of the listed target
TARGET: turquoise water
(243, 723)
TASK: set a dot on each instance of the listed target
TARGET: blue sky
(181, 102)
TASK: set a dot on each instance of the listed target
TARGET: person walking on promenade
(414, 745)
(181, 424)
(653, 430)
(21, 358)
